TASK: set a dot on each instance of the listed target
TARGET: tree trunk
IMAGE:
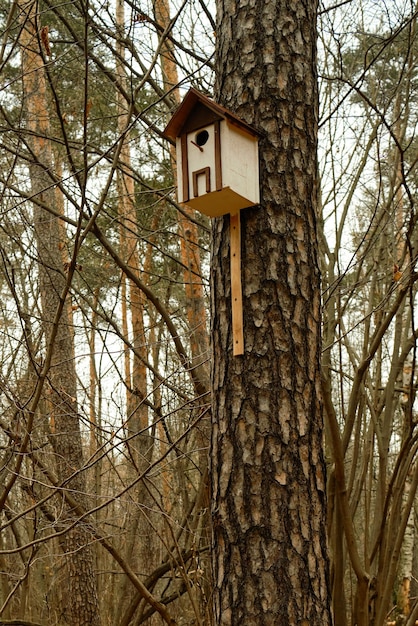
(81, 602)
(268, 476)
(141, 546)
(195, 307)
(187, 228)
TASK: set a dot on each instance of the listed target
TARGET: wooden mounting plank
(236, 286)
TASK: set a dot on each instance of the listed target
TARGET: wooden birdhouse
(217, 174)
(217, 157)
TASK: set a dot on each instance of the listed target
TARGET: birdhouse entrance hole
(202, 137)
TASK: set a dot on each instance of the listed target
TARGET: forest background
(104, 329)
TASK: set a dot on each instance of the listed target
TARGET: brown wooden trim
(218, 157)
(185, 168)
(196, 174)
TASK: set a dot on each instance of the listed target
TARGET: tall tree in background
(139, 535)
(58, 375)
(65, 116)
(268, 476)
(368, 255)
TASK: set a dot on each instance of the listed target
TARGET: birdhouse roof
(197, 110)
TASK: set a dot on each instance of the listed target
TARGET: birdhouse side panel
(240, 168)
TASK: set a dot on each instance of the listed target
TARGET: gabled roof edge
(193, 96)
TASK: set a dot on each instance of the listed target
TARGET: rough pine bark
(267, 469)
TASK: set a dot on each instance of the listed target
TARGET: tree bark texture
(267, 469)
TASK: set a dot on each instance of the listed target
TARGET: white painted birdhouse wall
(240, 162)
